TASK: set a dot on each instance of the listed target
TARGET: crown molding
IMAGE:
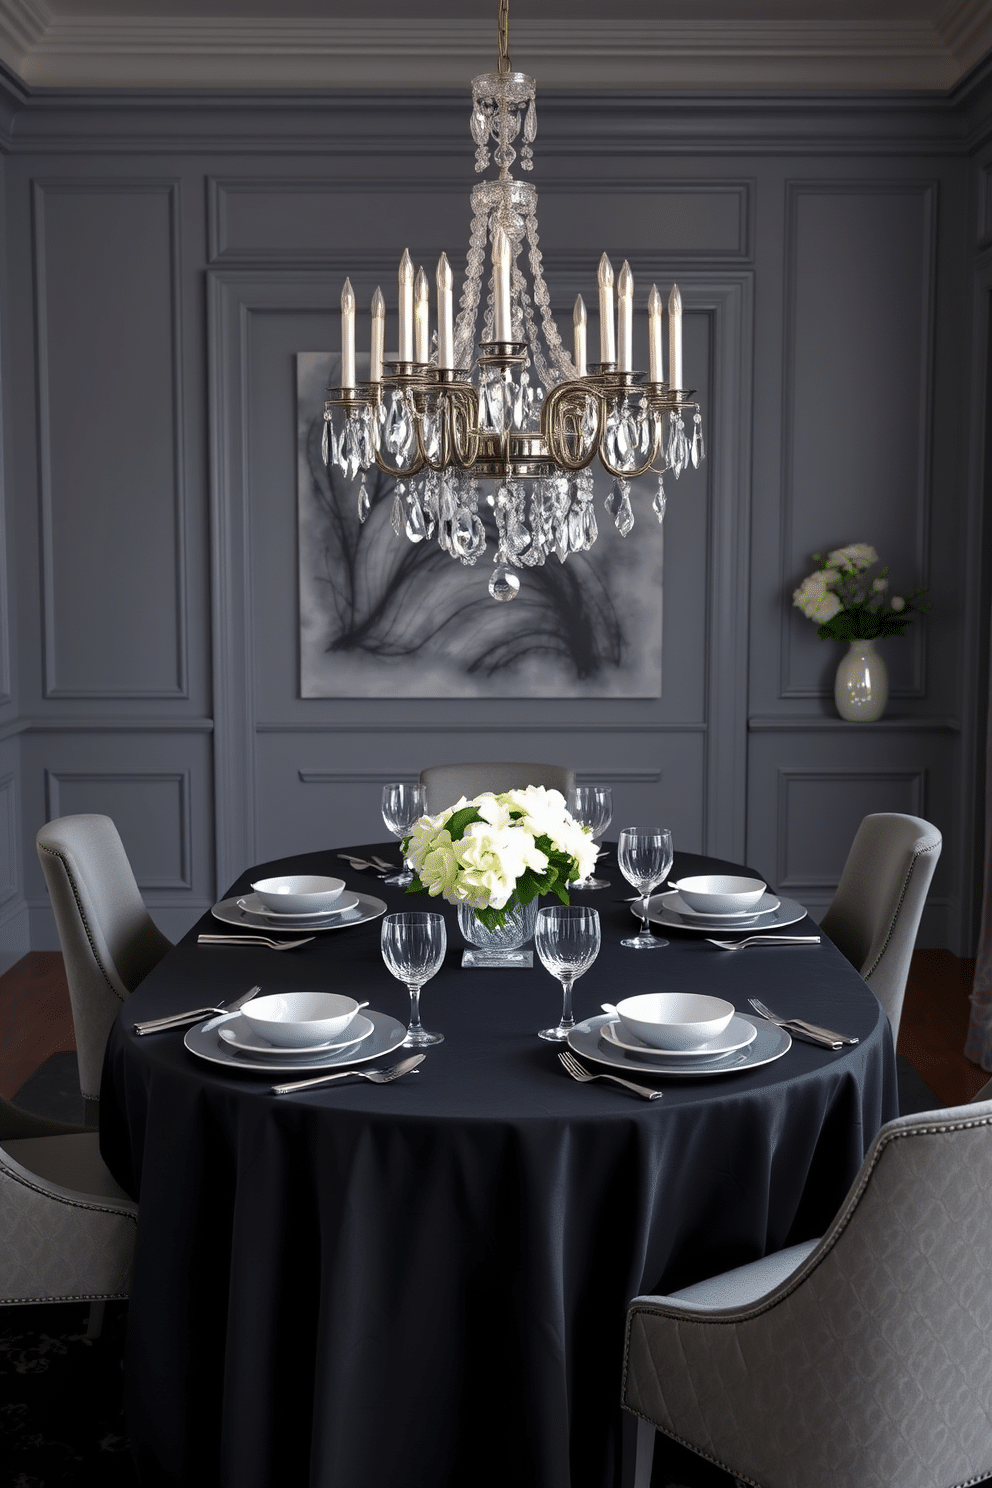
(46, 50)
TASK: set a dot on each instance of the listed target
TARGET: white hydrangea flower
(816, 599)
(879, 586)
(897, 603)
(854, 558)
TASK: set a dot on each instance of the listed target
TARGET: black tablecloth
(424, 1284)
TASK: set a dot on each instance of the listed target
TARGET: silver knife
(176, 1020)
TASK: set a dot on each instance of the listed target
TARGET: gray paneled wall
(162, 270)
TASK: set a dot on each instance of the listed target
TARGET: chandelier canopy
(513, 407)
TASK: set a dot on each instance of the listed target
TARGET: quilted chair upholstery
(109, 940)
(862, 1359)
(876, 910)
(66, 1229)
(446, 784)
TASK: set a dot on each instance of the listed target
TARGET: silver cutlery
(364, 865)
(580, 1073)
(736, 945)
(381, 863)
(275, 945)
(176, 1020)
(811, 1031)
(378, 1077)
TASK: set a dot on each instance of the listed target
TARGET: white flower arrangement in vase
(496, 852)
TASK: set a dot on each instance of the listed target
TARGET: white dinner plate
(769, 1043)
(204, 1041)
(738, 1033)
(673, 901)
(788, 912)
(254, 905)
(240, 1035)
(367, 908)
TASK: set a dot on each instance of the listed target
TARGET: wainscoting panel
(109, 398)
(858, 397)
(10, 878)
(151, 812)
(324, 788)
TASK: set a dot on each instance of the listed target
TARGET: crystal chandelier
(514, 409)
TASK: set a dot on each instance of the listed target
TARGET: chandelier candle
(607, 330)
(347, 335)
(406, 307)
(378, 336)
(656, 367)
(501, 401)
(445, 320)
(675, 337)
(579, 336)
(421, 321)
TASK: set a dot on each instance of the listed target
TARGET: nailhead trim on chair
(921, 852)
(54, 852)
(58, 1198)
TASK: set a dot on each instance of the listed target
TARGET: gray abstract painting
(383, 617)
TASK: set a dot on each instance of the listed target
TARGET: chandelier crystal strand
(500, 399)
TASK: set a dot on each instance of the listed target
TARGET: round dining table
(423, 1284)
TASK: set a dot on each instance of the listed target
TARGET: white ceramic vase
(861, 689)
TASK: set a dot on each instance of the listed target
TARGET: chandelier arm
(578, 393)
(463, 414)
(637, 470)
(401, 474)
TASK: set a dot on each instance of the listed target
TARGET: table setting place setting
(493, 857)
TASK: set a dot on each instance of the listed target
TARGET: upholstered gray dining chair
(109, 940)
(66, 1229)
(875, 913)
(446, 784)
(862, 1359)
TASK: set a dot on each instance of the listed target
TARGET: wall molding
(9, 829)
(772, 724)
(795, 190)
(41, 189)
(571, 727)
(787, 777)
(55, 779)
(47, 49)
(69, 724)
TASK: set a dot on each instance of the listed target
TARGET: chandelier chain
(503, 45)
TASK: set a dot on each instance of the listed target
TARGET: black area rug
(61, 1409)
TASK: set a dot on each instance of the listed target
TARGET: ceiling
(320, 44)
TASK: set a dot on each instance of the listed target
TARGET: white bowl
(674, 1020)
(297, 1020)
(719, 893)
(299, 893)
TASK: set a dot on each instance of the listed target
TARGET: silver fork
(193, 1015)
(275, 945)
(801, 1026)
(736, 945)
(378, 1077)
(580, 1073)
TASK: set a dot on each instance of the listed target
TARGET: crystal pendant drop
(504, 583)
(324, 441)
(660, 501)
(624, 519)
(397, 516)
(416, 528)
(364, 502)
(698, 451)
(614, 497)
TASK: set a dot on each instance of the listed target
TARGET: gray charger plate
(204, 1041)
(788, 913)
(770, 1043)
(367, 908)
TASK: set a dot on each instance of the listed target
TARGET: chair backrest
(876, 910)
(869, 1364)
(446, 784)
(109, 940)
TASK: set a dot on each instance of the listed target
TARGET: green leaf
(455, 825)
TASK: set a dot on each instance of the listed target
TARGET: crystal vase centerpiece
(502, 947)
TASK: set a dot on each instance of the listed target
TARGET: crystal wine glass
(567, 942)
(402, 805)
(413, 946)
(645, 858)
(592, 806)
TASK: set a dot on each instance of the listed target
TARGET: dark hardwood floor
(36, 1021)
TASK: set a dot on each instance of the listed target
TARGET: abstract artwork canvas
(383, 617)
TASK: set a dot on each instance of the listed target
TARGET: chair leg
(645, 1454)
(95, 1325)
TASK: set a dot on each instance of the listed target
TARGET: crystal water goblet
(591, 806)
(413, 945)
(645, 858)
(403, 804)
(566, 938)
